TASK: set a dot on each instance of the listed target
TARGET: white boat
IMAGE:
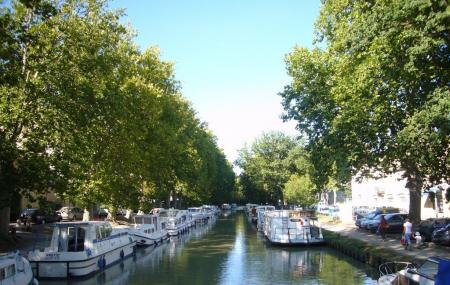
(81, 248)
(292, 227)
(260, 215)
(435, 270)
(148, 230)
(177, 221)
(209, 211)
(15, 270)
(226, 207)
(250, 210)
(198, 215)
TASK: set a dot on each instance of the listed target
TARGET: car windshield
(377, 217)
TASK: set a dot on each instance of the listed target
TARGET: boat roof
(86, 223)
(437, 259)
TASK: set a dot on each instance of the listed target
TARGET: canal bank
(371, 249)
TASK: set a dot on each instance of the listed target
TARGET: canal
(230, 251)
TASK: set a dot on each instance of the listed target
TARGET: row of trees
(276, 169)
(376, 98)
(85, 114)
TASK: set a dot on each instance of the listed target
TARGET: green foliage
(377, 98)
(268, 164)
(299, 190)
(84, 113)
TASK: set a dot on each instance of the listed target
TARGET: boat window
(75, 239)
(138, 220)
(98, 234)
(62, 239)
(7, 271)
(105, 231)
(163, 226)
(428, 269)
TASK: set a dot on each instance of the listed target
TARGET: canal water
(230, 251)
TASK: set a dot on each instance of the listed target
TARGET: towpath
(392, 242)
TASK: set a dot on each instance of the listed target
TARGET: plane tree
(373, 96)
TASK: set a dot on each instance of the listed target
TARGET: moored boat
(435, 270)
(198, 215)
(260, 215)
(148, 230)
(177, 221)
(292, 227)
(81, 248)
(226, 207)
(15, 270)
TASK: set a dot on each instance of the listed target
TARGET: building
(391, 191)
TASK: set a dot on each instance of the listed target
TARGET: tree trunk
(415, 205)
(414, 184)
(4, 221)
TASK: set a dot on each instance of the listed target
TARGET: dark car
(39, 217)
(442, 235)
(395, 222)
(427, 227)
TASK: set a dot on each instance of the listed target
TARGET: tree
(377, 98)
(266, 166)
(87, 115)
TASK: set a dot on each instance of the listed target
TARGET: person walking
(407, 231)
(383, 227)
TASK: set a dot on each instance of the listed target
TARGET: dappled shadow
(391, 243)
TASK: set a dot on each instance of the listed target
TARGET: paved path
(392, 242)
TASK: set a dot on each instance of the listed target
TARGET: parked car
(361, 212)
(427, 227)
(442, 235)
(71, 213)
(362, 222)
(39, 216)
(395, 222)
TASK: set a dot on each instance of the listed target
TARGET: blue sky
(229, 57)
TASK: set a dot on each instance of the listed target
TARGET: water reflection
(230, 252)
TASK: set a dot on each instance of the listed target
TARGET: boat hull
(147, 240)
(63, 267)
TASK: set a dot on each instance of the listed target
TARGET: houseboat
(260, 216)
(15, 270)
(226, 207)
(148, 230)
(209, 211)
(292, 227)
(177, 221)
(81, 248)
(198, 215)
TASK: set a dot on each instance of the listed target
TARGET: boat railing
(290, 214)
(393, 267)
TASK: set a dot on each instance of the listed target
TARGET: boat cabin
(78, 236)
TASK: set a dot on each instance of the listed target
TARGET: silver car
(71, 213)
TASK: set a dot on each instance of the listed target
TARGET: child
(418, 238)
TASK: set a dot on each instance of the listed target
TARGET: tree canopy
(86, 114)
(375, 98)
(275, 169)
